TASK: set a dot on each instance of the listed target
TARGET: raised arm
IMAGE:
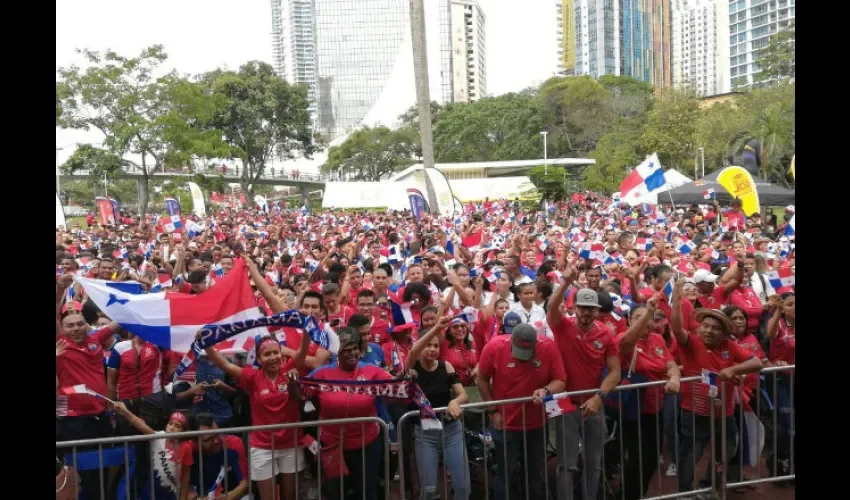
(553, 315)
(419, 346)
(627, 343)
(220, 361)
(276, 304)
(677, 322)
(135, 421)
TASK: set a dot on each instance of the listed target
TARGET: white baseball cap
(703, 276)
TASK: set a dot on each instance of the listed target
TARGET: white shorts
(268, 463)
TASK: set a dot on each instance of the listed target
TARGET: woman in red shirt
(360, 443)
(275, 398)
(783, 347)
(457, 349)
(644, 352)
(747, 300)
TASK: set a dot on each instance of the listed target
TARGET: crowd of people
(504, 302)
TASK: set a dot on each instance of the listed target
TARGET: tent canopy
(692, 194)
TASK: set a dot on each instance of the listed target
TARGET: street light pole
(545, 152)
(702, 156)
(423, 97)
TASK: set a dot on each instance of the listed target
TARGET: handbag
(333, 461)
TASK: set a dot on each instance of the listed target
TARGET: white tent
(674, 179)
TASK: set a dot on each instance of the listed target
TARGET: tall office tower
(565, 36)
(294, 45)
(597, 38)
(646, 41)
(700, 54)
(751, 24)
(464, 73)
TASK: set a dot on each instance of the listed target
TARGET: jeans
(592, 433)
(510, 446)
(448, 442)
(695, 435)
(363, 474)
(670, 416)
(84, 427)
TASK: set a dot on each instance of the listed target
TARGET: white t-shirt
(536, 318)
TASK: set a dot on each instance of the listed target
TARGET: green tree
(717, 129)
(577, 111)
(616, 151)
(372, 154)
(97, 162)
(153, 118)
(551, 185)
(671, 129)
(777, 60)
(263, 117)
(506, 127)
(769, 116)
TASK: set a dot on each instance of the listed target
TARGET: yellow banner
(793, 173)
(740, 185)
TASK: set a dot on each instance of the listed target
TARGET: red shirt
(82, 364)
(584, 354)
(379, 331)
(462, 358)
(341, 318)
(751, 343)
(749, 302)
(271, 403)
(698, 360)
(717, 299)
(652, 355)
(664, 305)
(484, 331)
(139, 370)
(617, 325)
(513, 378)
(344, 405)
(292, 338)
(784, 346)
(396, 353)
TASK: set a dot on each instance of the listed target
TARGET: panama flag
(171, 320)
(558, 404)
(172, 223)
(782, 279)
(647, 178)
(401, 313)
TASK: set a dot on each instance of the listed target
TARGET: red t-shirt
(750, 303)
(484, 330)
(584, 354)
(664, 305)
(784, 346)
(512, 378)
(344, 405)
(292, 338)
(717, 299)
(396, 353)
(617, 325)
(138, 370)
(651, 362)
(82, 364)
(380, 331)
(341, 318)
(271, 403)
(698, 360)
(462, 358)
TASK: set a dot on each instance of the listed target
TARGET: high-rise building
(356, 57)
(751, 24)
(597, 38)
(700, 48)
(465, 80)
(646, 41)
(294, 45)
(565, 33)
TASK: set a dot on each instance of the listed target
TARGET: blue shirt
(213, 400)
(374, 355)
(213, 465)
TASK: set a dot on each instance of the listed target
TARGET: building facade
(467, 69)
(700, 48)
(751, 24)
(646, 41)
(565, 34)
(294, 45)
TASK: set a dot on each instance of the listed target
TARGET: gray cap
(523, 341)
(587, 298)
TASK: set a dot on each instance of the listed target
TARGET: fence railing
(616, 454)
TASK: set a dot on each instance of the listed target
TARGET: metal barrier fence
(771, 414)
(125, 491)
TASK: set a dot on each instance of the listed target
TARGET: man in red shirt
(710, 354)
(379, 326)
(520, 365)
(716, 297)
(588, 348)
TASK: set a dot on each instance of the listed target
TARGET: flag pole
(671, 196)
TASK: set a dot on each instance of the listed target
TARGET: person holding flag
(275, 398)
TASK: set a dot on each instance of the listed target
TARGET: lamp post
(545, 153)
(702, 159)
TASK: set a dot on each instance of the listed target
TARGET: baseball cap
(511, 320)
(587, 298)
(523, 341)
(703, 276)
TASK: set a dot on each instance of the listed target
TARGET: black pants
(363, 474)
(694, 437)
(86, 427)
(510, 446)
(642, 448)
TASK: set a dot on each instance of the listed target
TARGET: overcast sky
(200, 35)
